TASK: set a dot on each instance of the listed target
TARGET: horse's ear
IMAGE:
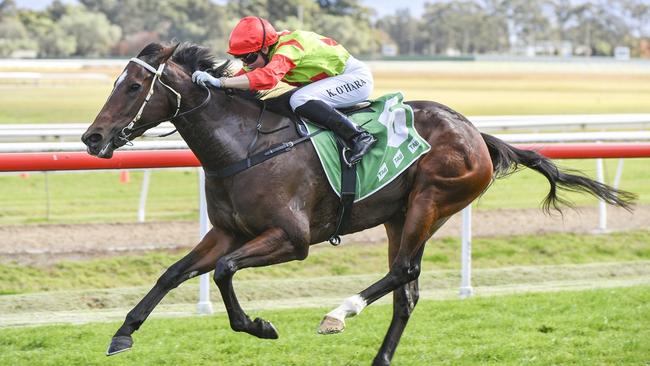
(167, 52)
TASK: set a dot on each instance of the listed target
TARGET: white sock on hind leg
(349, 308)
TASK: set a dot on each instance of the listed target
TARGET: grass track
(595, 327)
(440, 254)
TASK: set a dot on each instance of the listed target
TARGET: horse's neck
(219, 134)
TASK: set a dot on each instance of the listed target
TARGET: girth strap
(348, 193)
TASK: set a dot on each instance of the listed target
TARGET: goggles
(248, 58)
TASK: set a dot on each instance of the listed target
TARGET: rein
(128, 131)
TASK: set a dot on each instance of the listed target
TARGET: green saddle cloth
(398, 146)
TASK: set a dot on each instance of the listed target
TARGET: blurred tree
(638, 12)
(343, 7)
(404, 30)
(194, 20)
(94, 34)
(8, 9)
(132, 16)
(459, 27)
(466, 26)
(360, 42)
(143, 21)
(564, 13)
(52, 40)
(599, 29)
(13, 34)
(301, 11)
(57, 9)
(243, 8)
(524, 21)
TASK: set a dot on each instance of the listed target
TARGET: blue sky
(383, 7)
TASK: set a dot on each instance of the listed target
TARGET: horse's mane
(193, 57)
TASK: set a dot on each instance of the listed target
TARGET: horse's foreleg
(272, 247)
(200, 260)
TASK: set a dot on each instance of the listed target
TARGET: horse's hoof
(264, 329)
(331, 325)
(119, 344)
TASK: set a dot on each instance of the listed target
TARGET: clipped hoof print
(119, 344)
(331, 325)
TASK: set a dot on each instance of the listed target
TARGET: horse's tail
(507, 159)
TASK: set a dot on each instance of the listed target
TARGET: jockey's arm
(263, 78)
(236, 82)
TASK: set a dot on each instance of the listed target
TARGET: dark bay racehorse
(272, 212)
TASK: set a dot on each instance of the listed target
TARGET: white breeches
(354, 85)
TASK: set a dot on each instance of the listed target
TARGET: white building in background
(622, 53)
(389, 49)
(546, 48)
(20, 54)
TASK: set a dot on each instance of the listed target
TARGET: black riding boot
(358, 140)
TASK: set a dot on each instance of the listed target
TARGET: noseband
(127, 131)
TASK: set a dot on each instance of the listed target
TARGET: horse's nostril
(94, 138)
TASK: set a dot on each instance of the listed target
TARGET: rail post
(619, 173)
(602, 206)
(144, 192)
(466, 254)
(204, 305)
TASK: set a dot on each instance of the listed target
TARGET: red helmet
(250, 35)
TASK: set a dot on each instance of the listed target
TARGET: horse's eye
(134, 87)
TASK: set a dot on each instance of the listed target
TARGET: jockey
(329, 76)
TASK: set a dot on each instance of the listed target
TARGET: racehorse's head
(141, 98)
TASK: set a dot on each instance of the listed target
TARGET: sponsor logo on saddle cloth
(398, 146)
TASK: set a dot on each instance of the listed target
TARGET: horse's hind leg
(271, 247)
(404, 298)
(422, 220)
(200, 260)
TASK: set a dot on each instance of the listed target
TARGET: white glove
(204, 79)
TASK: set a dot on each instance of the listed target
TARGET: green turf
(595, 327)
(97, 197)
(329, 261)
(52, 103)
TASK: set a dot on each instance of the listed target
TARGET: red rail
(590, 150)
(16, 162)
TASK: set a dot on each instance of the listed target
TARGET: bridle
(128, 131)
